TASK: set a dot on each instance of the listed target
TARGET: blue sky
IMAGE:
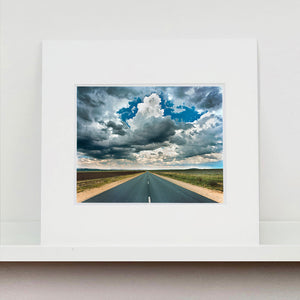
(185, 114)
(150, 127)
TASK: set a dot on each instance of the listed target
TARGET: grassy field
(87, 175)
(208, 178)
(92, 179)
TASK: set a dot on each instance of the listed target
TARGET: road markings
(149, 199)
(148, 181)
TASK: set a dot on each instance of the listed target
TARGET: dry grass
(83, 185)
(208, 178)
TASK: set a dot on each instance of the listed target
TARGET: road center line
(149, 199)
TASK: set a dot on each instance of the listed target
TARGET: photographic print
(150, 144)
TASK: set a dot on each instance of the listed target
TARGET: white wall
(276, 26)
(25, 24)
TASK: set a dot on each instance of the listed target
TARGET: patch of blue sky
(212, 165)
(181, 113)
(187, 114)
(82, 156)
(127, 113)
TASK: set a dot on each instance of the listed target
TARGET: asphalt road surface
(149, 188)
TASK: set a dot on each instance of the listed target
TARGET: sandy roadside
(213, 195)
(87, 194)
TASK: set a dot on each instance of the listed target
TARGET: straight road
(149, 188)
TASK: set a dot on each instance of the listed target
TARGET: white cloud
(152, 140)
(149, 108)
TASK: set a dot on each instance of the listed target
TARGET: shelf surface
(144, 253)
(280, 241)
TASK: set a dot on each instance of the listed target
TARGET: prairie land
(87, 180)
(207, 178)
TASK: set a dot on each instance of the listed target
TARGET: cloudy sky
(149, 127)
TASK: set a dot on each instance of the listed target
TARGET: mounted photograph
(150, 144)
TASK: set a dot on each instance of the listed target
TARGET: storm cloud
(134, 127)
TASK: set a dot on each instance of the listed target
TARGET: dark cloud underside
(125, 122)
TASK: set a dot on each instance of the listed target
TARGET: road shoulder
(87, 194)
(210, 194)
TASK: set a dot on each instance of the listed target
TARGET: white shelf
(256, 253)
(280, 241)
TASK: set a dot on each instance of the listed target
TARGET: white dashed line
(148, 181)
(149, 199)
